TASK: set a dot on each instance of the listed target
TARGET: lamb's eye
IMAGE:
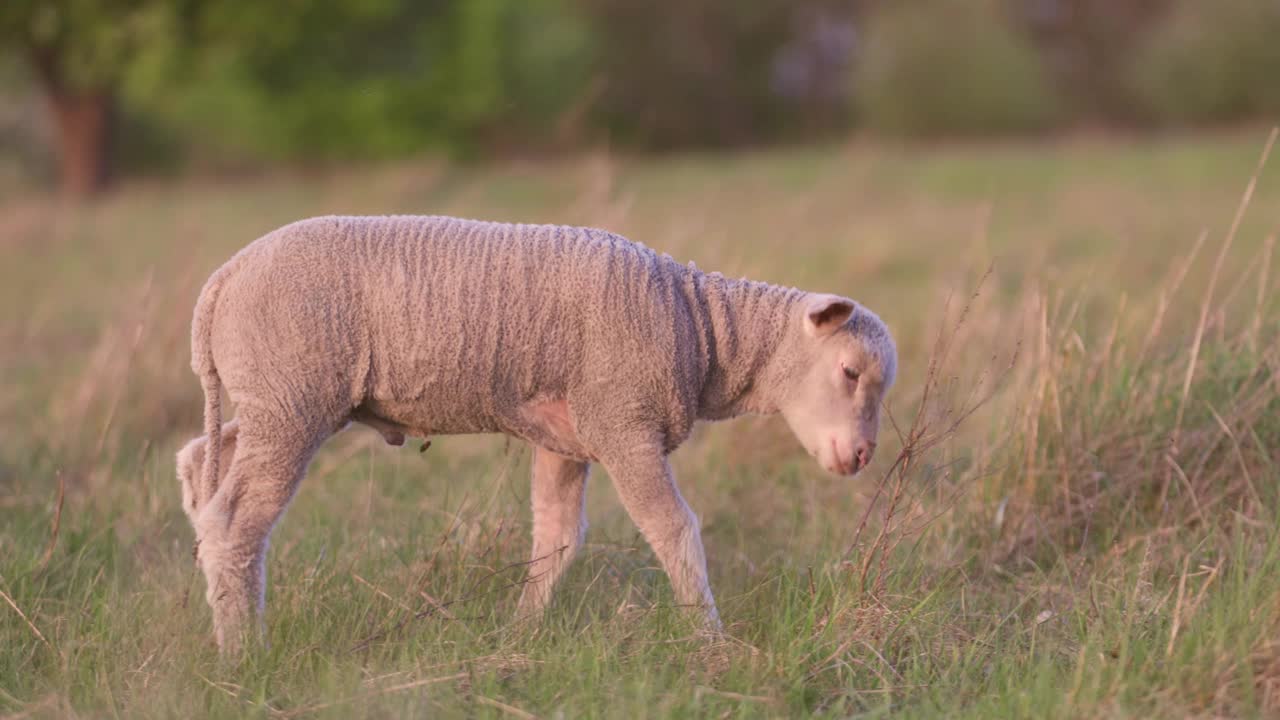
(851, 373)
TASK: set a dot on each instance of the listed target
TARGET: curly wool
(589, 346)
(451, 326)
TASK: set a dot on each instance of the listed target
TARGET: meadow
(1073, 511)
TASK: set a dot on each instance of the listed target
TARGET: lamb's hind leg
(234, 527)
(190, 465)
(559, 524)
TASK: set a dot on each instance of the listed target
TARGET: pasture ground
(1098, 538)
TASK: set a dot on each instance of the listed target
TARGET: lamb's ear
(824, 313)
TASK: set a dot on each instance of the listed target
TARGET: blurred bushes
(241, 82)
(386, 77)
(695, 73)
(24, 149)
(1086, 47)
(1212, 62)
(374, 78)
(944, 67)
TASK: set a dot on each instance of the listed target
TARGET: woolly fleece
(589, 346)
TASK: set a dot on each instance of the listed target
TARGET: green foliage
(88, 43)
(247, 82)
(478, 25)
(1087, 44)
(1212, 62)
(23, 155)
(950, 67)
(696, 73)
(330, 79)
(377, 78)
(549, 63)
(239, 80)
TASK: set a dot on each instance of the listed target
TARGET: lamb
(590, 347)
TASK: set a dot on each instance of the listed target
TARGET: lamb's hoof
(394, 438)
(424, 447)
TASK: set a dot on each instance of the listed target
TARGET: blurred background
(1072, 183)
(92, 91)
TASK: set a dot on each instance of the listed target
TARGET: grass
(1073, 513)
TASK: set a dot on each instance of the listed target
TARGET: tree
(1090, 44)
(295, 79)
(79, 51)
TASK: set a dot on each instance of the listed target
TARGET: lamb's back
(470, 317)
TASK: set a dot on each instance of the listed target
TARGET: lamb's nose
(865, 451)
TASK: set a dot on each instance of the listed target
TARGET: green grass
(1094, 541)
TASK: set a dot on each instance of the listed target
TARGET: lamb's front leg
(648, 490)
(559, 524)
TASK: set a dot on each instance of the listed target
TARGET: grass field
(1098, 538)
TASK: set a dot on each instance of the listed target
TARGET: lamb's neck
(745, 326)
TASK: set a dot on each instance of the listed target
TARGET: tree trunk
(84, 141)
(84, 120)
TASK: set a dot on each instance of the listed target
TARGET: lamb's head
(844, 363)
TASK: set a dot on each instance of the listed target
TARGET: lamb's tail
(202, 365)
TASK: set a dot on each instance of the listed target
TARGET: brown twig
(296, 712)
(1255, 327)
(922, 436)
(508, 709)
(55, 524)
(703, 689)
(1213, 280)
(25, 619)
(442, 607)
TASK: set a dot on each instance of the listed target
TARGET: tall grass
(1072, 515)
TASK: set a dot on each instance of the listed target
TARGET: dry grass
(1074, 513)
